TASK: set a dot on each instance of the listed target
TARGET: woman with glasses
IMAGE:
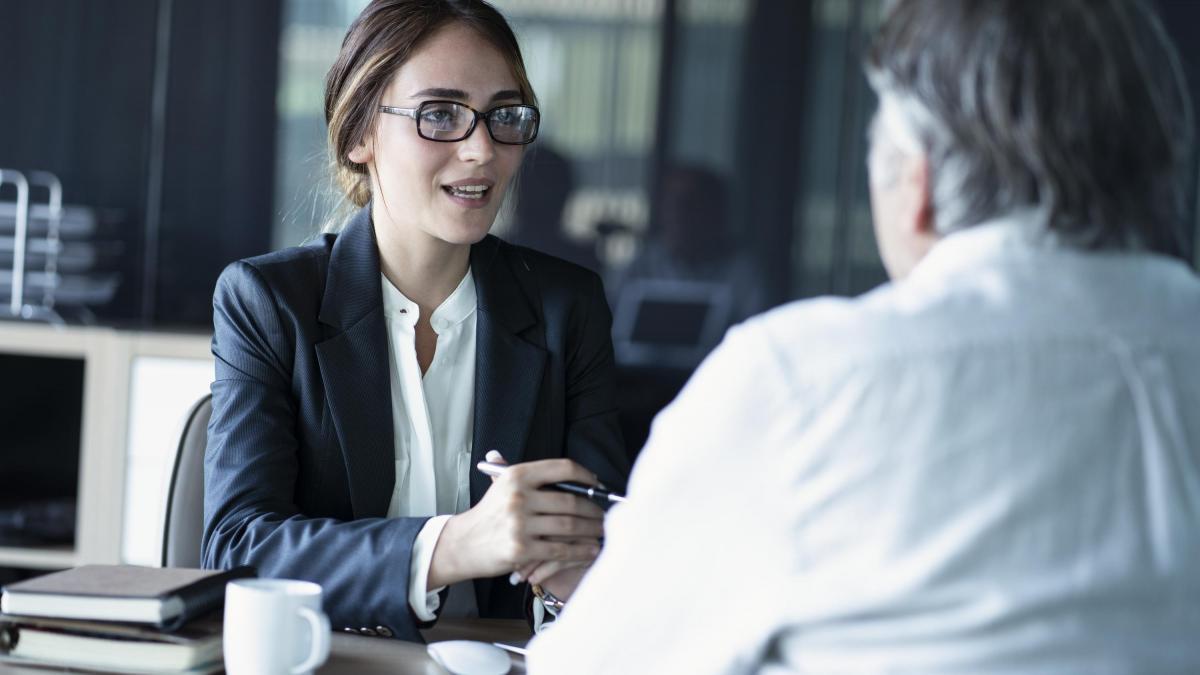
(360, 378)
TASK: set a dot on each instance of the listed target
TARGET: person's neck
(426, 270)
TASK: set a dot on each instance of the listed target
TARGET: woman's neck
(425, 269)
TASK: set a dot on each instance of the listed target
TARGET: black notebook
(112, 647)
(162, 596)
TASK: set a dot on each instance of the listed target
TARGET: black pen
(599, 495)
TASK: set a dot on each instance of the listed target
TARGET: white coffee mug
(274, 627)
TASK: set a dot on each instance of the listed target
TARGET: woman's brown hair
(380, 40)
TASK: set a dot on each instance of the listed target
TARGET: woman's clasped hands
(541, 536)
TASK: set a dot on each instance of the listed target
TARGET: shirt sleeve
(424, 602)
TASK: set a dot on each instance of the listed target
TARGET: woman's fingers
(571, 527)
(549, 502)
(533, 539)
(539, 551)
(535, 572)
(564, 582)
(543, 570)
(541, 472)
(547, 570)
(494, 457)
(523, 573)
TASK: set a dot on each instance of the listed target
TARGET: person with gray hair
(1075, 111)
(989, 464)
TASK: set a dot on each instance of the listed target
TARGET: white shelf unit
(37, 558)
(109, 357)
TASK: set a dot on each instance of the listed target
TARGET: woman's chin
(466, 228)
(465, 233)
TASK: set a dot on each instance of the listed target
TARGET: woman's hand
(564, 582)
(559, 577)
(516, 524)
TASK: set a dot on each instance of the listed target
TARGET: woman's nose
(479, 146)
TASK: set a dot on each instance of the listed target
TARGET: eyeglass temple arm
(407, 112)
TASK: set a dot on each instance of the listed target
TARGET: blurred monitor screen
(676, 323)
(669, 323)
(41, 417)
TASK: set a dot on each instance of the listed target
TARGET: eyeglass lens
(447, 121)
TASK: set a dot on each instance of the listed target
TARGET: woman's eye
(506, 116)
(441, 118)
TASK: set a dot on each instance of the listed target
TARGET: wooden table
(358, 655)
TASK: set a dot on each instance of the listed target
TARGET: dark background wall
(218, 178)
(76, 101)
(163, 109)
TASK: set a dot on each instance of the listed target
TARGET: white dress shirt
(992, 466)
(433, 422)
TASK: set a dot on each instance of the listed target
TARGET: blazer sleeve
(593, 429)
(251, 466)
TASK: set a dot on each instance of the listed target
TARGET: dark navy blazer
(300, 468)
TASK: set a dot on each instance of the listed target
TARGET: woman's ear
(361, 154)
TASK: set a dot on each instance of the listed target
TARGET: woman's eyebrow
(442, 92)
(506, 95)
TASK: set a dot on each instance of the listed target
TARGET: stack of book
(117, 618)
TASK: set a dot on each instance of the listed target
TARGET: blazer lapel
(354, 366)
(508, 368)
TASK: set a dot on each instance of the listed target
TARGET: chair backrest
(184, 524)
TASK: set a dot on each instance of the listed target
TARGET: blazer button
(366, 631)
(384, 631)
(350, 630)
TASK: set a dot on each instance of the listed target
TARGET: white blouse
(433, 424)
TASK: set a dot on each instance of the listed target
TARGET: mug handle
(319, 623)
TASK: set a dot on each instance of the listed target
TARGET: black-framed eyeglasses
(451, 121)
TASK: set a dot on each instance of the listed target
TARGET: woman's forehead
(455, 58)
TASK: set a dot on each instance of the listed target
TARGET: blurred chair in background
(543, 188)
(184, 522)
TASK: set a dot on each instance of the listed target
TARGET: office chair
(184, 523)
